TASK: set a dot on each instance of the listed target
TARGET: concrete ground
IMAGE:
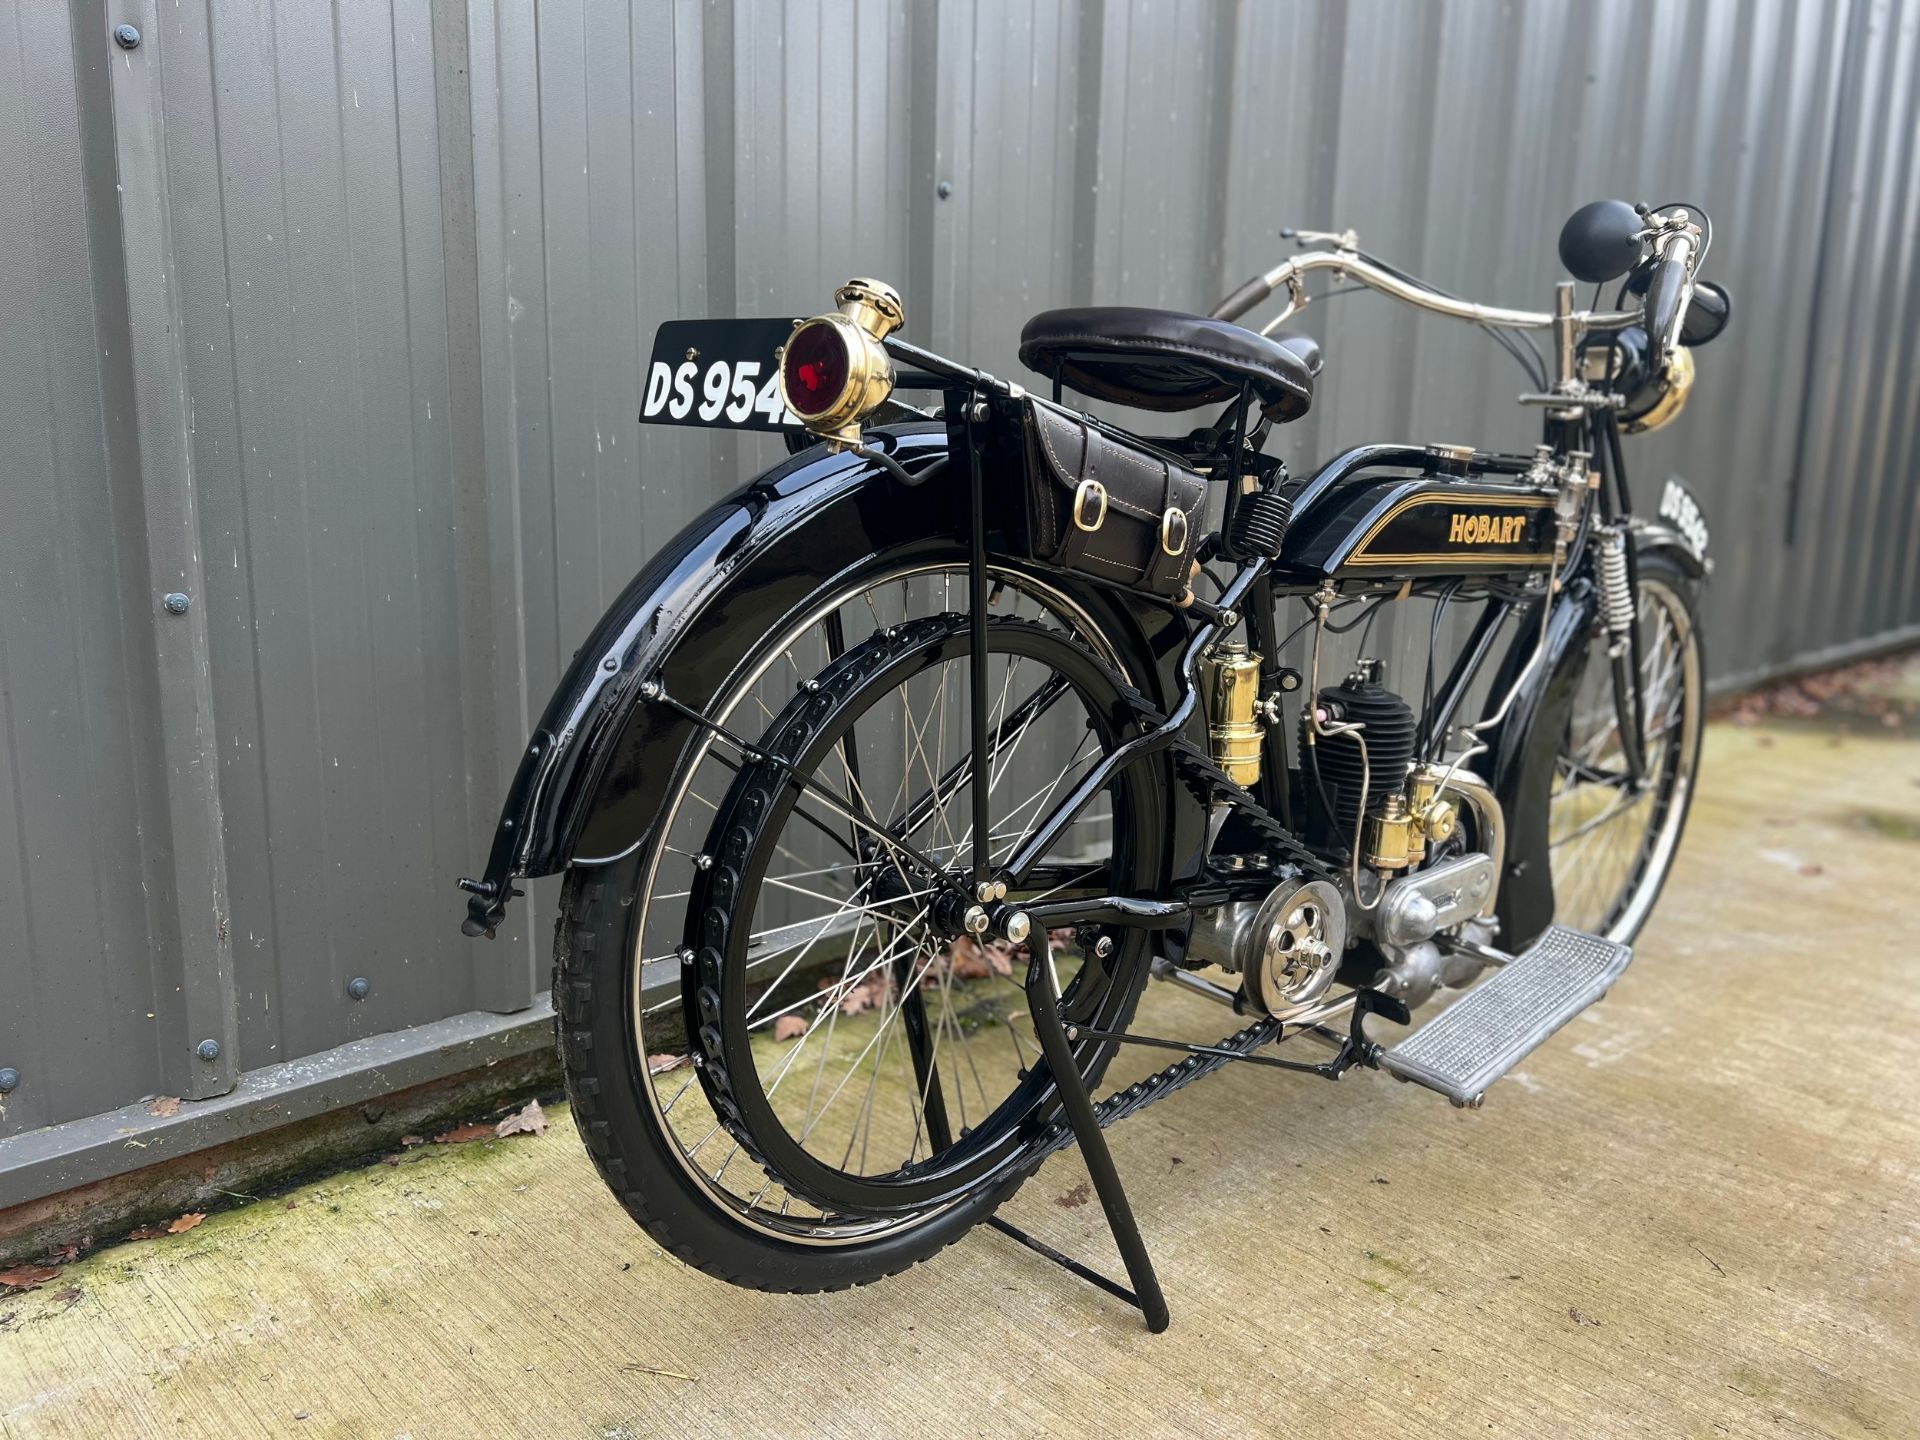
(1694, 1213)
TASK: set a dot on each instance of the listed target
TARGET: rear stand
(1146, 1294)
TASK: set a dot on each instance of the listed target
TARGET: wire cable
(1530, 360)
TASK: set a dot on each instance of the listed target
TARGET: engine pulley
(1286, 947)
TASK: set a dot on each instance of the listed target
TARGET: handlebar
(1676, 245)
(1351, 266)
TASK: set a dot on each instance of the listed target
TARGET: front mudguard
(1525, 748)
(1527, 743)
(596, 772)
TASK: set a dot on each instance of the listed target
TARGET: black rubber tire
(594, 951)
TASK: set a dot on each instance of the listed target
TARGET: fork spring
(1616, 592)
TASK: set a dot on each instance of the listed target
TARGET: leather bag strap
(1073, 540)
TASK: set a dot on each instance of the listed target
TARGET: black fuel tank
(1372, 526)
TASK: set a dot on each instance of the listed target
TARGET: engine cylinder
(1333, 797)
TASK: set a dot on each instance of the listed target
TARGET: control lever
(1340, 239)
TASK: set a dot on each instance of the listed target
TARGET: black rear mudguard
(591, 784)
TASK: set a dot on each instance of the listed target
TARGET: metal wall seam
(204, 1060)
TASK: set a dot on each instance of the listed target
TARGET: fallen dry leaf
(1076, 1197)
(28, 1277)
(1813, 867)
(185, 1222)
(1580, 1317)
(531, 1120)
(164, 1106)
(660, 1064)
(70, 1296)
(966, 960)
(870, 994)
(789, 1027)
(461, 1134)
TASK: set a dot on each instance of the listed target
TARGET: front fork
(1617, 570)
(1620, 617)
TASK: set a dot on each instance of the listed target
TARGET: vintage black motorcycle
(886, 786)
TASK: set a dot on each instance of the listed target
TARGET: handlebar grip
(1242, 300)
(1666, 289)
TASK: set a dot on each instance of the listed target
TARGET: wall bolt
(176, 603)
(359, 987)
(209, 1050)
(127, 37)
(944, 189)
(9, 1080)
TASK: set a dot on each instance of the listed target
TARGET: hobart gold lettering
(1485, 529)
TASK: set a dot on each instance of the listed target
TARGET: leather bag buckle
(1173, 532)
(1091, 493)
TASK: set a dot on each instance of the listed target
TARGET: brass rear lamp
(834, 370)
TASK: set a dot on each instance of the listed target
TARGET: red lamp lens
(815, 369)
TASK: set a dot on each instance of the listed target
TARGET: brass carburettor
(1398, 832)
(1231, 680)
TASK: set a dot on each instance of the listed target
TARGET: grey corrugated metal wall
(332, 318)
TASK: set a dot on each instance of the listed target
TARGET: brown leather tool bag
(1105, 508)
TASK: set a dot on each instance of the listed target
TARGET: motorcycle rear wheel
(645, 1114)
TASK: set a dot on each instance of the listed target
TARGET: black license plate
(717, 373)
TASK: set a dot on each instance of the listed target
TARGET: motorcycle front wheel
(1612, 840)
(783, 1067)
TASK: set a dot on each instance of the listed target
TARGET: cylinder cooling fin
(1335, 773)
